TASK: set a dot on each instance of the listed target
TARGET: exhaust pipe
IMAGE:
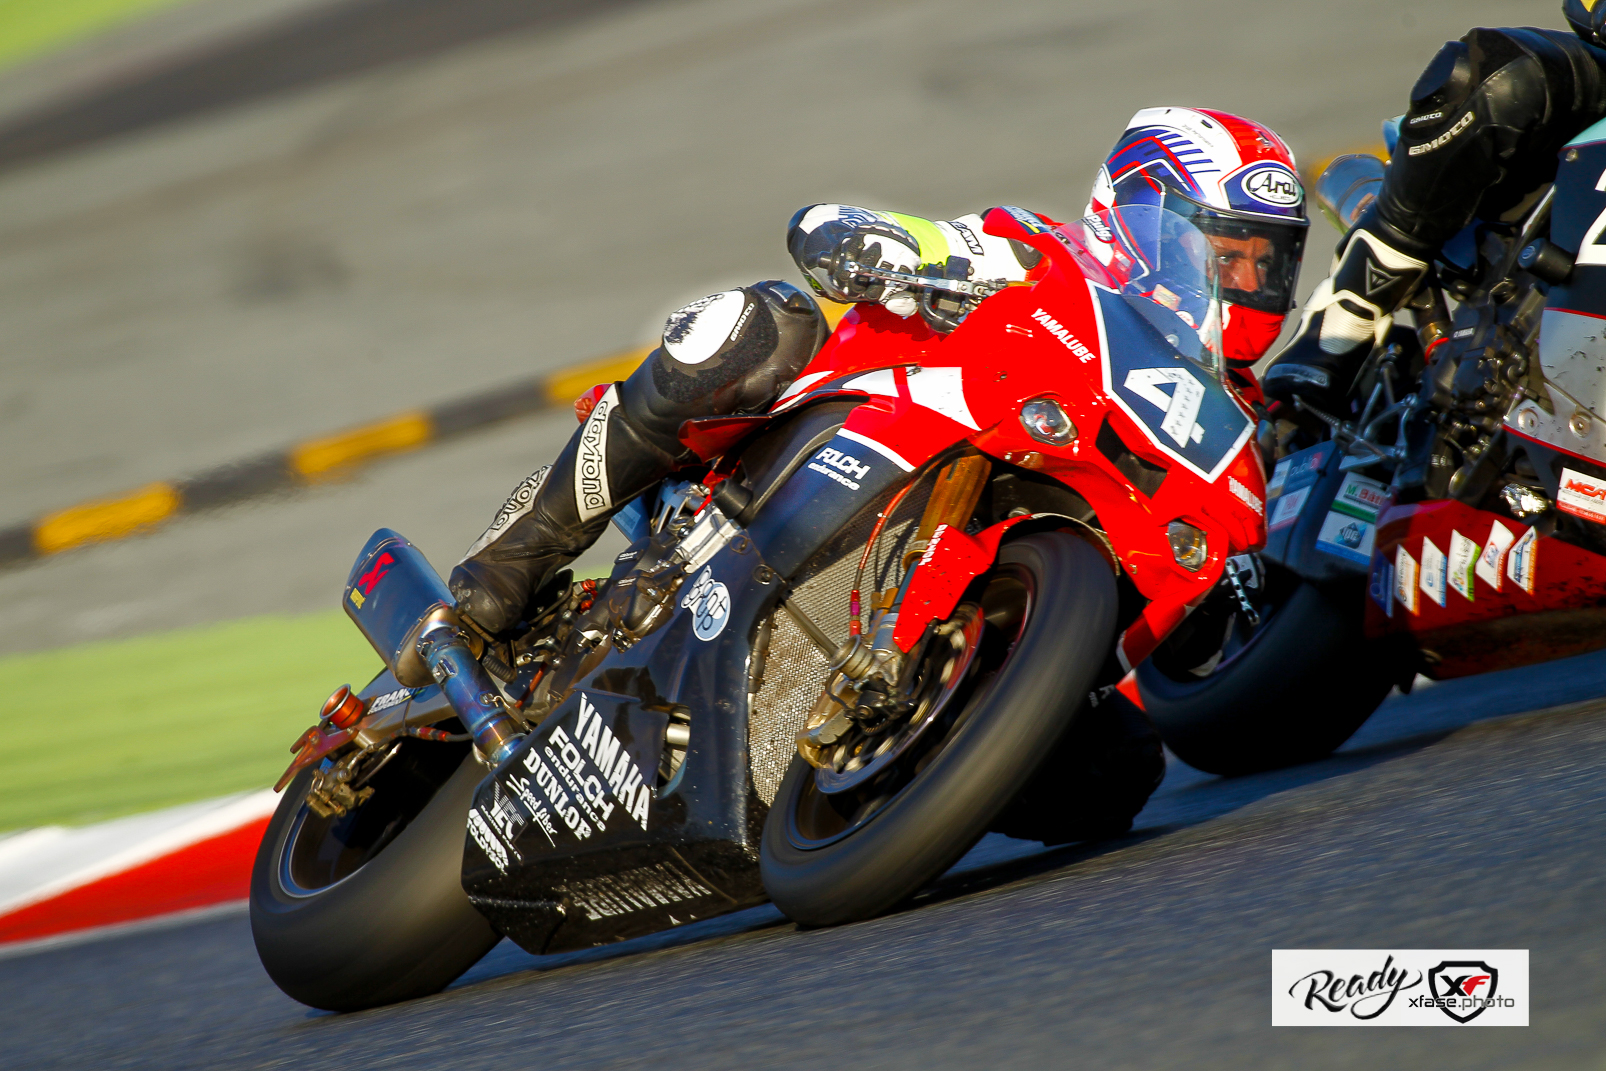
(398, 601)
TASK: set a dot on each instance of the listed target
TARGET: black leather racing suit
(1486, 121)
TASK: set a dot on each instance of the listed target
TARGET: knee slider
(731, 352)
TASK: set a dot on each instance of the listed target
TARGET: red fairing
(588, 401)
(709, 437)
(1046, 339)
(951, 561)
(1481, 591)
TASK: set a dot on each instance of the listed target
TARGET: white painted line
(41, 863)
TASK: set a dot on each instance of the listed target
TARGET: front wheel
(835, 854)
(368, 908)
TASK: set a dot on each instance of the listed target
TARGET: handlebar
(979, 289)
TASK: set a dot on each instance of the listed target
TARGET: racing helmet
(1587, 18)
(1236, 181)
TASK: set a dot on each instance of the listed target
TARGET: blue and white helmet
(1234, 179)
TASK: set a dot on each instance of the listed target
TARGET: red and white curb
(60, 885)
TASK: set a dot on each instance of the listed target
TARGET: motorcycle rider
(1233, 178)
(1487, 118)
(1236, 181)
(736, 351)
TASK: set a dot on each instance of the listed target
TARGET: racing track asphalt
(1446, 823)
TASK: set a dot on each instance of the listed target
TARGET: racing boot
(732, 352)
(1373, 274)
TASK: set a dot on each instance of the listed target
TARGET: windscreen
(1167, 272)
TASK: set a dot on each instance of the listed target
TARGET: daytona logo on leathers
(591, 492)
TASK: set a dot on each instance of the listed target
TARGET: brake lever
(982, 288)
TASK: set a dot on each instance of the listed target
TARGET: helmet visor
(1165, 268)
(1256, 257)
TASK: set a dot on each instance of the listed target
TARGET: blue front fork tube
(468, 688)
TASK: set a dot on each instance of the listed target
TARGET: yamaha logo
(1273, 185)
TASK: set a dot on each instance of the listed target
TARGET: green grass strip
(123, 726)
(29, 27)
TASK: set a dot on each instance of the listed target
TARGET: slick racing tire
(368, 909)
(1288, 691)
(1044, 617)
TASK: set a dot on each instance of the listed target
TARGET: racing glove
(825, 239)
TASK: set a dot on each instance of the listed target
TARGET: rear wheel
(1289, 690)
(838, 848)
(367, 908)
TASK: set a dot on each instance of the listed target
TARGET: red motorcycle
(876, 622)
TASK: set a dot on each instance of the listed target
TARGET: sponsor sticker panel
(1522, 560)
(1399, 987)
(1346, 537)
(1507, 558)
(1434, 570)
(1286, 512)
(1350, 527)
(1381, 586)
(1290, 485)
(1405, 579)
(1582, 495)
(1463, 556)
(1492, 561)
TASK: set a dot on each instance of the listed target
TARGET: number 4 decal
(1181, 405)
(1590, 250)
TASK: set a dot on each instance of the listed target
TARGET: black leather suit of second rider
(1487, 119)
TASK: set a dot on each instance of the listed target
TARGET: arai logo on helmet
(1273, 185)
